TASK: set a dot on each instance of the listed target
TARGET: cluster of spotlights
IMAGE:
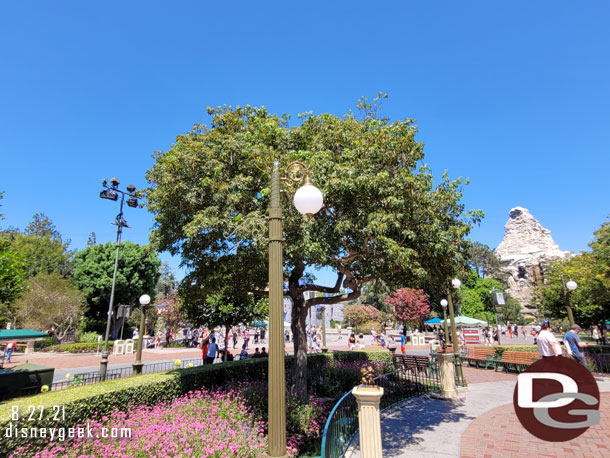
(112, 192)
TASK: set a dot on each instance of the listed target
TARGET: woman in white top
(547, 343)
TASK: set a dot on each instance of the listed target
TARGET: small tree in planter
(409, 305)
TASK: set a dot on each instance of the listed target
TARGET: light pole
(307, 200)
(456, 283)
(111, 193)
(137, 366)
(444, 305)
(571, 285)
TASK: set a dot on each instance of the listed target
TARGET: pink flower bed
(200, 424)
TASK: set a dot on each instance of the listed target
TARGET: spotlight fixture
(114, 182)
(110, 195)
(131, 188)
(132, 202)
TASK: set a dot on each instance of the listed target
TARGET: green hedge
(80, 347)
(500, 349)
(82, 402)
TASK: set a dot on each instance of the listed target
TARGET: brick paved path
(498, 433)
(425, 427)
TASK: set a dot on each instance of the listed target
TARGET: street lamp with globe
(444, 305)
(137, 366)
(308, 200)
(571, 285)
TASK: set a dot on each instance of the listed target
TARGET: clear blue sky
(514, 95)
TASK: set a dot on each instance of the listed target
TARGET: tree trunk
(227, 331)
(299, 369)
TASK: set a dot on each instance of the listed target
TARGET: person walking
(351, 342)
(205, 343)
(246, 338)
(9, 349)
(244, 352)
(403, 342)
(212, 351)
(574, 343)
(596, 335)
(546, 341)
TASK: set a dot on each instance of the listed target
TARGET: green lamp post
(571, 285)
(456, 283)
(137, 366)
(444, 306)
(308, 200)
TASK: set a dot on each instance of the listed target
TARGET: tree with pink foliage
(409, 305)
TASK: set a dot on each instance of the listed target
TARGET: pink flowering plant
(409, 305)
(200, 424)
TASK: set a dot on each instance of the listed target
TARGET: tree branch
(325, 289)
(333, 299)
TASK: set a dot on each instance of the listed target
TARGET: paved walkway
(481, 424)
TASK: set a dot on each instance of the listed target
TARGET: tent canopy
(466, 321)
(21, 334)
(265, 323)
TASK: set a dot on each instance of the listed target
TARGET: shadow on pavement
(401, 423)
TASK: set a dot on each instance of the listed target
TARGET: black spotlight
(110, 195)
(131, 188)
(114, 182)
(132, 202)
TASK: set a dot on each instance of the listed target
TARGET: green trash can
(24, 380)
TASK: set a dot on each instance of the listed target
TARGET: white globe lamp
(308, 199)
(571, 285)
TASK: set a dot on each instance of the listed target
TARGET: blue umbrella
(434, 321)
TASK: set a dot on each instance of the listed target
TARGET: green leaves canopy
(384, 216)
(590, 301)
(137, 274)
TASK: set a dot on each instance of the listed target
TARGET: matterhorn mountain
(524, 253)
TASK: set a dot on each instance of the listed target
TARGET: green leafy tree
(357, 315)
(50, 302)
(484, 261)
(590, 301)
(13, 275)
(137, 274)
(167, 283)
(42, 247)
(375, 293)
(475, 300)
(221, 293)
(385, 217)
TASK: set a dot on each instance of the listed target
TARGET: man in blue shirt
(574, 343)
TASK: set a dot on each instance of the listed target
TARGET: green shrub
(82, 402)
(81, 347)
(44, 343)
(90, 337)
(365, 328)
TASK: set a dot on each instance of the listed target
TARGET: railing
(342, 423)
(89, 378)
(598, 363)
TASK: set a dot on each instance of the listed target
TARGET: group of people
(549, 346)
(314, 339)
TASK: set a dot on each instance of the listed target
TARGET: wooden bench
(481, 357)
(518, 361)
(413, 363)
